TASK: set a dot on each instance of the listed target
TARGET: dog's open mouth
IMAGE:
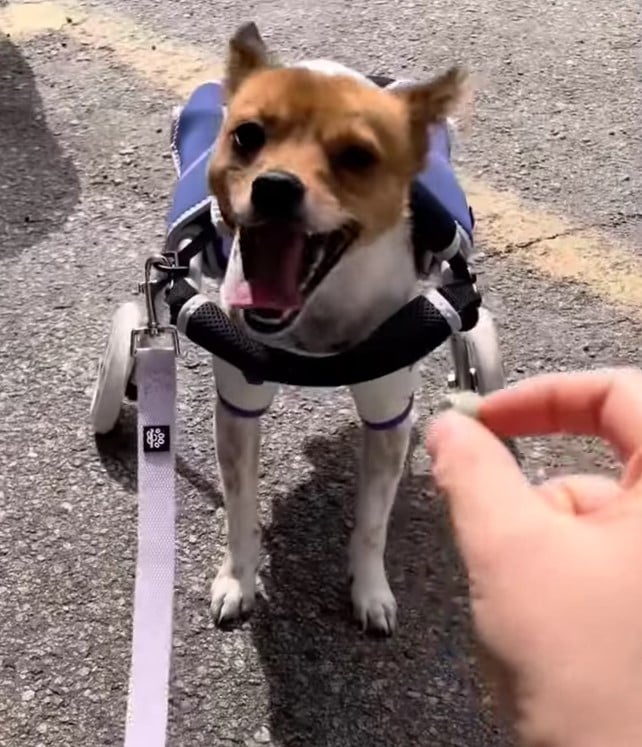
(282, 264)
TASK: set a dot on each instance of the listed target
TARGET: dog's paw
(374, 604)
(232, 595)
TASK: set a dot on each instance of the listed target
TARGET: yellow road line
(538, 238)
(554, 246)
(23, 20)
(176, 67)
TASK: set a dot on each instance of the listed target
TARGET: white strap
(188, 308)
(445, 308)
(153, 601)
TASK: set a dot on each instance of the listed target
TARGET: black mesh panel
(409, 335)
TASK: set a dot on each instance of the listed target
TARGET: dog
(311, 173)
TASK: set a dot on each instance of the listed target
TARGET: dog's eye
(248, 138)
(355, 158)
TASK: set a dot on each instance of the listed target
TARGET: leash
(155, 349)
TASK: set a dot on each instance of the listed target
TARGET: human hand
(555, 570)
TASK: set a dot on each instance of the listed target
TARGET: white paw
(232, 594)
(374, 604)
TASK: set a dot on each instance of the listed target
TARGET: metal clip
(153, 329)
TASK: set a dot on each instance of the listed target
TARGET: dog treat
(466, 403)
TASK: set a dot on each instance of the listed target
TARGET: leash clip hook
(161, 263)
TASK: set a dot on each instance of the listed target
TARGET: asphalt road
(84, 179)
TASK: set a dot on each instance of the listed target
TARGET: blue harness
(194, 132)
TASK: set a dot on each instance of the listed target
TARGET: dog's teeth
(314, 267)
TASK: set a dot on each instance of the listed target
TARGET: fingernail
(466, 403)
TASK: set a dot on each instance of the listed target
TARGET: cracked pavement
(84, 178)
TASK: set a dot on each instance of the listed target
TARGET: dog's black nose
(277, 194)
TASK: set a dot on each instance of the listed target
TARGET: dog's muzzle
(277, 261)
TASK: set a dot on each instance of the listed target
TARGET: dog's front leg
(385, 406)
(237, 435)
(237, 449)
(382, 462)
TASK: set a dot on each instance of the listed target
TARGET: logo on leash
(155, 438)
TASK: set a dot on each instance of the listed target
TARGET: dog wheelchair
(198, 243)
(139, 361)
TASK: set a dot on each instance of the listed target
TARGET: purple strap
(386, 425)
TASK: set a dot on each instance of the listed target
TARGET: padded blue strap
(193, 136)
(440, 179)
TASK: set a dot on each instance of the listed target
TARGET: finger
(604, 403)
(580, 494)
(488, 495)
(632, 477)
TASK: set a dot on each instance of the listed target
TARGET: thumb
(489, 496)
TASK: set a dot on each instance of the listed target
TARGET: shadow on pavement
(39, 185)
(332, 686)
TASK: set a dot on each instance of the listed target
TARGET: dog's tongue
(271, 259)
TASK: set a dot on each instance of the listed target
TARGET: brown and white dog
(311, 173)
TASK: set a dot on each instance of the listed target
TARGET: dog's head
(309, 170)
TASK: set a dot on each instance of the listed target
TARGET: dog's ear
(247, 54)
(431, 102)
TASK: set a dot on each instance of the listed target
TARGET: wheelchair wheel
(477, 358)
(115, 369)
(478, 365)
